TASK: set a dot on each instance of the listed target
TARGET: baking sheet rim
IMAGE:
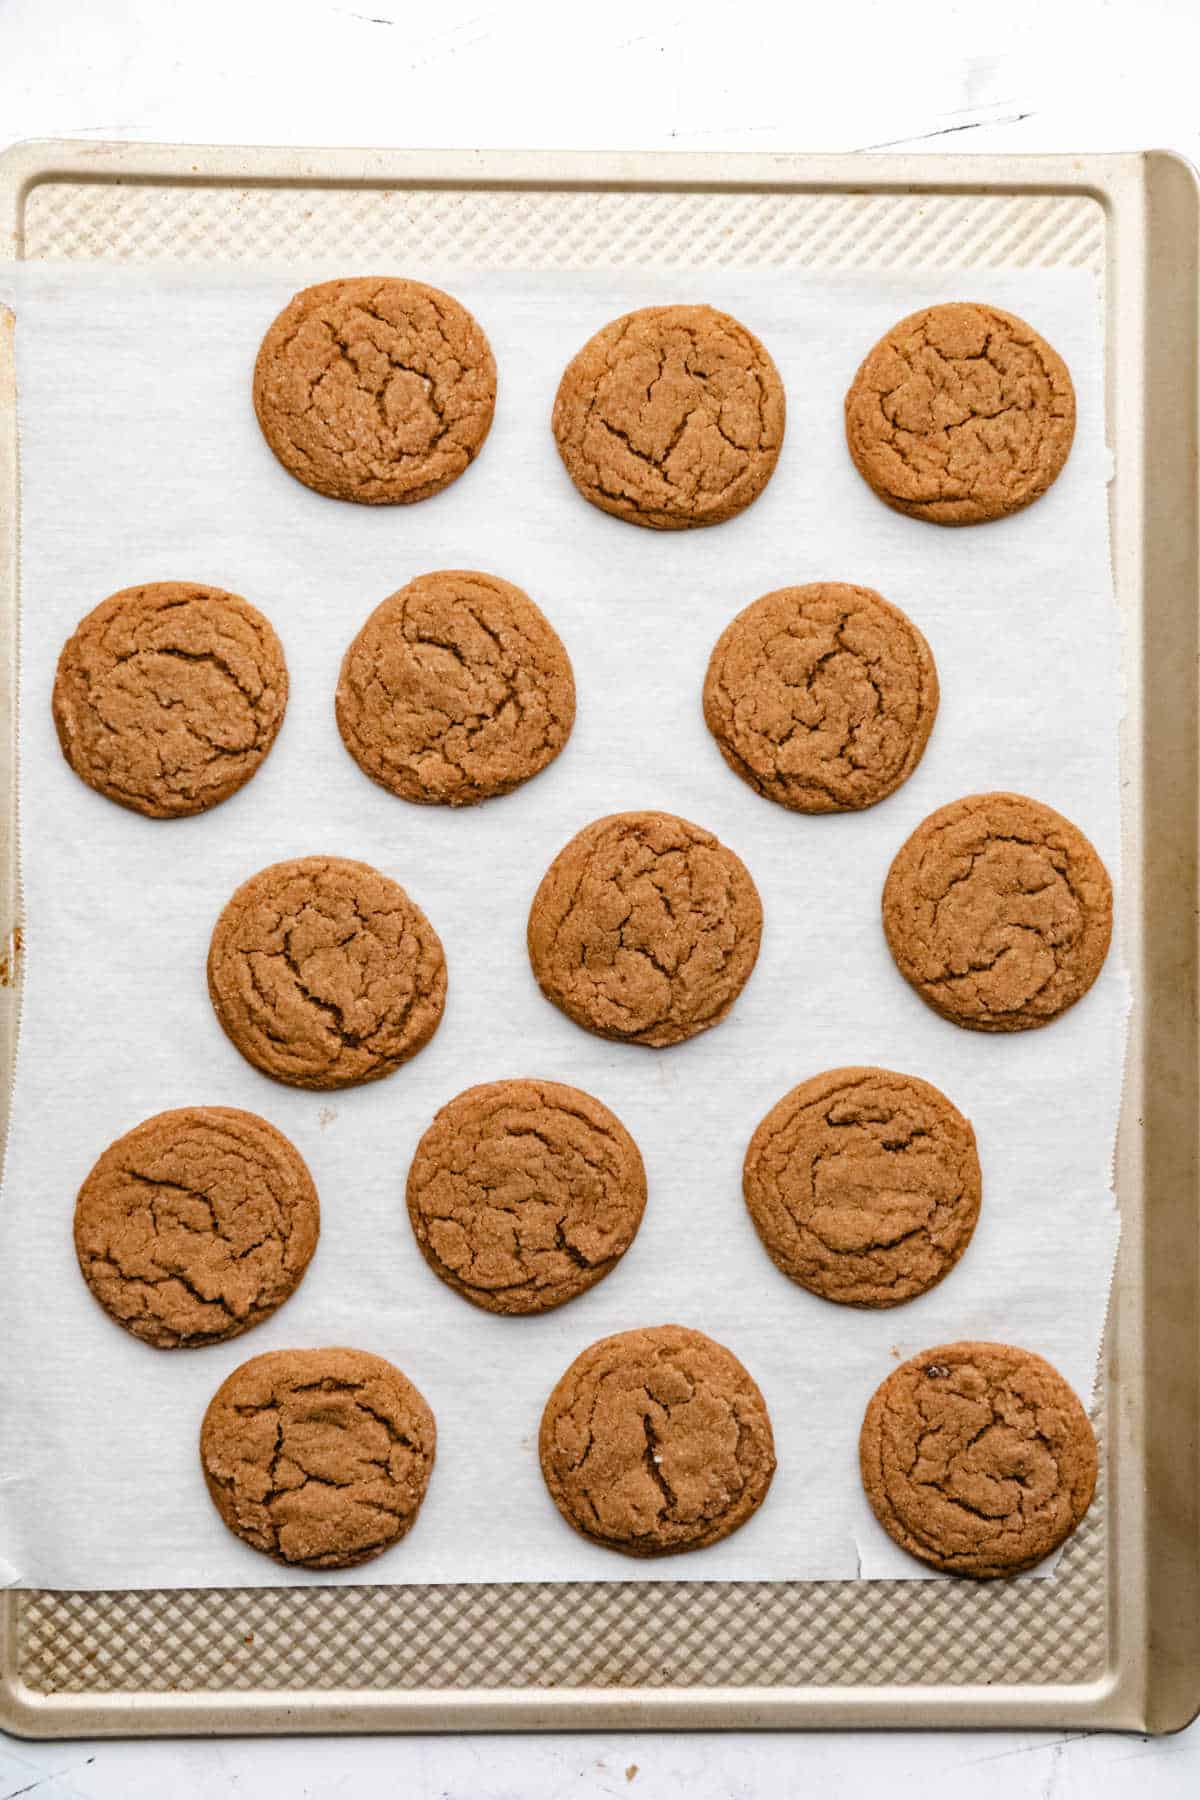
(1122, 1698)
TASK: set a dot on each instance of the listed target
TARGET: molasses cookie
(323, 973)
(821, 697)
(998, 911)
(168, 697)
(670, 417)
(375, 389)
(645, 928)
(960, 414)
(319, 1458)
(196, 1225)
(863, 1185)
(523, 1194)
(456, 689)
(977, 1458)
(656, 1441)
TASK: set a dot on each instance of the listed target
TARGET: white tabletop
(684, 74)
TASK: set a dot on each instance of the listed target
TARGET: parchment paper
(141, 460)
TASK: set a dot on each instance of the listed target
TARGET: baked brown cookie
(656, 1441)
(863, 1185)
(977, 1458)
(670, 417)
(456, 689)
(324, 974)
(821, 697)
(168, 696)
(960, 414)
(196, 1225)
(523, 1194)
(375, 389)
(644, 928)
(998, 912)
(319, 1458)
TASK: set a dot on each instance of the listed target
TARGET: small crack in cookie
(457, 689)
(375, 390)
(656, 1441)
(998, 911)
(977, 1458)
(318, 1458)
(670, 417)
(645, 928)
(324, 974)
(168, 696)
(960, 414)
(523, 1194)
(864, 1185)
(821, 697)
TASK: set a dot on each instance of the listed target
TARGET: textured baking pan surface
(1114, 1638)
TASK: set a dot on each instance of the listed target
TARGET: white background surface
(1076, 75)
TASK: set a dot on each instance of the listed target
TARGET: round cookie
(375, 389)
(324, 974)
(644, 928)
(656, 1441)
(821, 697)
(998, 911)
(456, 689)
(168, 696)
(863, 1185)
(523, 1194)
(318, 1458)
(960, 414)
(977, 1458)
(196, 1225)
(670, 417)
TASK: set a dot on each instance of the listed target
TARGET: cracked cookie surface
(167, 697)
(998, 911)
(977, 1458)
(456, 689)
(375, 389)
(821, 697)
(196, 1225)
(318, 1458)
(671, 417)
(523, 1194)
(323, 973)
(863, 1185)
(960, 414)
(656, 1441)
(645, 928)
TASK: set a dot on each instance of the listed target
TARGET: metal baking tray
(1114, 1639)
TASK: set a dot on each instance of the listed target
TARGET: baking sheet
(167, 476)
